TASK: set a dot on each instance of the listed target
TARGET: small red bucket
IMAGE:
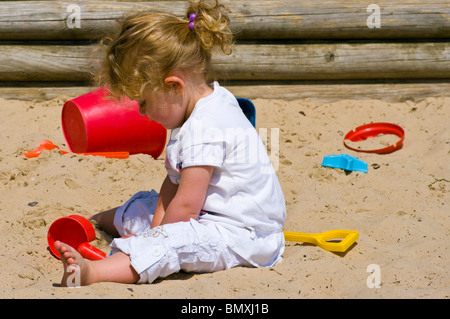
(94, 122)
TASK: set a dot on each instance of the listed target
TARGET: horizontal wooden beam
(325, 92)
(263, 19)
(329, 92)
(336, 61)
(251, 62)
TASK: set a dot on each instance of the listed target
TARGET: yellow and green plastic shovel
(338, 240)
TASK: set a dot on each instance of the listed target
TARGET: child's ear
(175, 83)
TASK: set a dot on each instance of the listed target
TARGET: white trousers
(193, 246)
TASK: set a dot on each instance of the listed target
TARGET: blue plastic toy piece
(248, 108)
(346, 162)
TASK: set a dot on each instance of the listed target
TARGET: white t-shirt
(244, 198)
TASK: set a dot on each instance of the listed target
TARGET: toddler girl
(221, 204)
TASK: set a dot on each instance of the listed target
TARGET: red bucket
(77, 232)
(96, 123)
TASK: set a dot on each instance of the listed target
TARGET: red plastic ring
(363, 132)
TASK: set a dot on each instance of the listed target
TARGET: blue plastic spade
(345, 162)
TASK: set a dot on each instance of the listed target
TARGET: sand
(400, 207)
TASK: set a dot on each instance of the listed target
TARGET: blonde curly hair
(149, 45)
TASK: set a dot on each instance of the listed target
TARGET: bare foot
(76, 268)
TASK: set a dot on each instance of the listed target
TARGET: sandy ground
(400, 207)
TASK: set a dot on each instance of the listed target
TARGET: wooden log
(251, 62)
(324, 92)
(336, 61)
(328, 92)
(264, 19)
(46, 62)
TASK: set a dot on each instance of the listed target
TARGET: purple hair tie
(192, 17)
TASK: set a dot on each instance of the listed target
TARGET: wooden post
(251, 20)
(325, 92)
(336, 61)
(251, 62)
